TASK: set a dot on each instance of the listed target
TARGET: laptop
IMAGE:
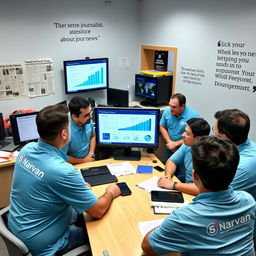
(98, 175)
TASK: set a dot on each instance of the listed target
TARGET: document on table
(7, 156)
(120, 169)
(166, 207)
(146, 226)
(151, 184)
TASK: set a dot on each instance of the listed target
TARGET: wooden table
(118, 231)
(6, 173)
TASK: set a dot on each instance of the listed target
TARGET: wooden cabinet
(148, 56)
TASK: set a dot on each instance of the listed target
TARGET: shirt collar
(75, 127)
(243, 145)
(222, 195)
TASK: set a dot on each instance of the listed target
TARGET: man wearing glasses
(82, 143)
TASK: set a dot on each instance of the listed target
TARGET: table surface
(118, 231)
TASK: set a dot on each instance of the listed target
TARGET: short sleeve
(73, 190)
(178, 156)
(168, 237)
(163, 121)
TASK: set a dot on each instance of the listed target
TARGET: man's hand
(88, 158)
(165, 182)
(89, 185)
(172, 146)
(114, 189)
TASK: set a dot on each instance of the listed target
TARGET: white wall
(195, 27)
(27, 31)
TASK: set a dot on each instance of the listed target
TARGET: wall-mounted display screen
(85, 75)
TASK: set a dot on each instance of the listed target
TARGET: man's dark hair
(51, 120)
(215, 159)
(76, 104)
(234, 123)
(199, 126)
(180, 97)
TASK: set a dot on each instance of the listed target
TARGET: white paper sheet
(151, 184)
(120, 169)
(146, 226)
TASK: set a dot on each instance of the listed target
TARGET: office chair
(16, 247)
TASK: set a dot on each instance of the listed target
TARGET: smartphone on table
(125, 191)
(158, 168)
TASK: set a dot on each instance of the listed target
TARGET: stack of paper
(166, 207)
(6, 156)
(120, 169)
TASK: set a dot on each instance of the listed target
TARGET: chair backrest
(14, 245)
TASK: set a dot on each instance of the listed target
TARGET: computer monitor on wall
(24, 128)
(127, 128)
(85, 75)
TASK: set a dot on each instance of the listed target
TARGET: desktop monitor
(64, 102)
(85, 75)
(153, 90)
(24, 128)
(127, 128)
(117, 97)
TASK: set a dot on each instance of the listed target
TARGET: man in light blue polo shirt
(219, 221)
(49, 195)
(235, 125)
(82, 144)
(196, 127)
(173, 123)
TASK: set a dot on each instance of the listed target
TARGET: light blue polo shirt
(183, 159)
(176, 125)
(44, 189)
(79, 143)
(245, 178)
(215, 223)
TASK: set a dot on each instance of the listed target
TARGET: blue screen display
(85, 75)
(145, 87)
(127, 126)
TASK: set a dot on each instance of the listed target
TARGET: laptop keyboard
(4, 144)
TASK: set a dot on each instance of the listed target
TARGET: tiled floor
(3, 251)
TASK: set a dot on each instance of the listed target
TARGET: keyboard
(93, 171)
(100, 179)
(98, 175)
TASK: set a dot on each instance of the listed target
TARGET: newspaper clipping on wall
(40, 80)
(12, 83)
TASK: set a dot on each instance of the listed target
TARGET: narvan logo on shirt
(214, 228)
(30, 167)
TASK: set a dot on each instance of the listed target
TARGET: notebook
(98, 175)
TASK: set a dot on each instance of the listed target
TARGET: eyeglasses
(213, 129)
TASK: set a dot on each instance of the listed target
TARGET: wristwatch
(92, 154)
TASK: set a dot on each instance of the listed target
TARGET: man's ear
(64, 134)
(74, 117)
(195, 175)
(197, 138)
